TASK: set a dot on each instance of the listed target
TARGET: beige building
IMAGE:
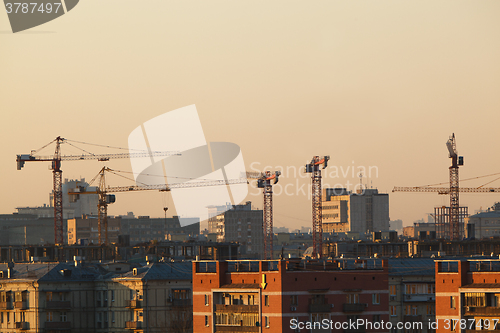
(82, 298)
(87, 229)
(345, 211)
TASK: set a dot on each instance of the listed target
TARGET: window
(113, 316)
(393, 310)
(50, 316)
(376, 318)
(207, 300)
(431, 309)
(64, 317)
(353, 298)
(430, 288)
(112, 295)
(266, 321)
(48, 296)
(375, 298)
(206, 321)
(392, 290)
(452, 302)
(266, 300)
(294, 300)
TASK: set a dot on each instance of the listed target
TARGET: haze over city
(377, 86)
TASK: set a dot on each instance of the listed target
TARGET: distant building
(240, 224)
(145, 229)
(27, 229)
(74, 206)
(86, 231)
(485, 224)
(420, 230)
(396, 225)
(363, 212)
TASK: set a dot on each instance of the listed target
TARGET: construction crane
(314, 168)
(266, 180)
(105, 199)
(57, 173)
(454, 189)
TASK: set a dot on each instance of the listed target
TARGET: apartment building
(467, 295)
(346, 211)
(270, 296)
(412, 293)
(238, 223)
(82, 298)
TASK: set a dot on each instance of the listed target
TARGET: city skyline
(379, 85)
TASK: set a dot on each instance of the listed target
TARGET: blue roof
(163, 271)
(411, 266)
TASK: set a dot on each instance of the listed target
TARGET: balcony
(314, 308)
(134, 304)
(181, 302)
(58, 325)
(237, 308)
(354, 307)
(411, 319)
(133, 325)
(418, 298)
(58, 305)
(237, 328)
(22, 325)
(101, 324)
(5, 305)
(21, 305)
(482, 311)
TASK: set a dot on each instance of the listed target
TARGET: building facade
(412, 294)
(288, 295)
(467, 295)
(363, 212)
(82, 298)
(239, 223)
(484, 224)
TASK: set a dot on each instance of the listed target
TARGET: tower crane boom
(57, 174)
(105, 199)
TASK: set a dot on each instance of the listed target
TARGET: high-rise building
(238, 223)
(363, 212)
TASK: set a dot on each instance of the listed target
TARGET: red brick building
(285, 295)
(468, 295)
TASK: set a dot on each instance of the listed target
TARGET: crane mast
(58, 195)
(266, 180)
(314, 168)
(455, 231)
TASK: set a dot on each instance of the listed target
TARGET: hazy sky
(370, 83)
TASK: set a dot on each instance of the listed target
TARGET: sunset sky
(378, 84)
